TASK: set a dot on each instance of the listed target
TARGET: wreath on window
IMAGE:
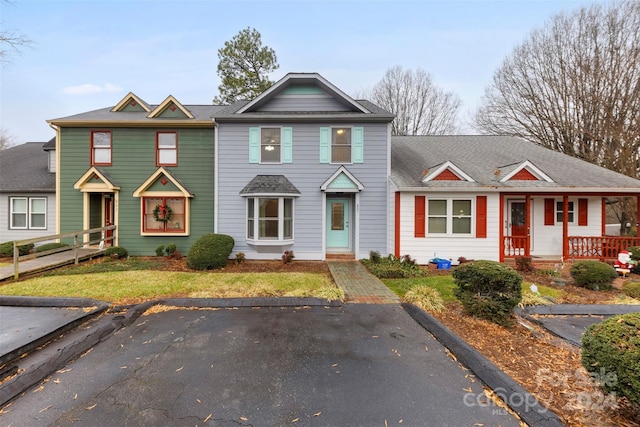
(162, 213)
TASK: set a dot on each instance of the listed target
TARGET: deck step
(346, 256)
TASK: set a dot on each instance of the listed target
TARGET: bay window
(270, 219)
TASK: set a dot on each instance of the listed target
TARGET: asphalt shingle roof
(487, 159)
(270, 184)
(24, 168)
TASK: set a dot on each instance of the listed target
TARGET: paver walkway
(359, 285)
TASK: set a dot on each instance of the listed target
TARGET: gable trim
(83, 183)
(432, 175)
(325, 84)
(127, 99)
(163, 106)
(142, 189)
(530, 167)
(342, 170)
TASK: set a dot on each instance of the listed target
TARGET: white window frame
(28, 220)
(449, 216)
(331, 144)
(162, 149)
(265, 145)
(254, 218)
(559, 211)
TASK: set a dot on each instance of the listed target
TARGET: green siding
(158, 186)
(133, 161)
(130, 107)
(175, 114)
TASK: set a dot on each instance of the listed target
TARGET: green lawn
(132, 283)
(444, 284)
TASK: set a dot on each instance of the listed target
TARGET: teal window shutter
(325, 145)
(358, 145)
(254, 145)
(287, 145)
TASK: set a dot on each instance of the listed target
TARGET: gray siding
(8, 235)
(303, 103)
(307, 174)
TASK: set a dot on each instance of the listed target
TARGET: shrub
(287, 257)
(51, 246)
(593, 274)
(632, 289)
(170, 249)
(374, 257)
(160, 250)
(6, 249)
(117, 252)
(425, 297)
(488, 289)
(613, 347)
(524, 264)
(210, 251)
(394, 268)
(240, 258)
(634, 253)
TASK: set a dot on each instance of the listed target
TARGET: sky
(89, 54)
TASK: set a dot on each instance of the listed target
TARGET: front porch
(579, 247)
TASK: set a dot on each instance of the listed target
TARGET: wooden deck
(48, 262)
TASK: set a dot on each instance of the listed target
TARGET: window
(270, 145)
(270, 219)
(560, 212)
(100, 148)
(164, 215)
(28, 213)
(340, 145)
(166, 149)
(449, 216)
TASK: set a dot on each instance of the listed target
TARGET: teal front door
(338, 231)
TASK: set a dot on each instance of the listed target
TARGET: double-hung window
(560, 212)
(28, 213)
(341, 145)
(449, 216)
(270, 145)
(101, 148)
(270, 219)
(166, 149)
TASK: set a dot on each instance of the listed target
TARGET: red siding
(447, 175)
(524, 175)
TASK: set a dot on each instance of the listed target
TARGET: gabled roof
(24, 168)
(170, 103)
(484, 157)
(342, 181)
(158, 175)
(522, 171)
(270, 185)
(131, 101)
(446, 168)
(333, 104)
(95, 179)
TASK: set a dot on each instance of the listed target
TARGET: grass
(544, 291)
(133, 281)
(443, 284)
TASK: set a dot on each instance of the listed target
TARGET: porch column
(527, 222)
(565, 227)
(501, 227)
(638, 217)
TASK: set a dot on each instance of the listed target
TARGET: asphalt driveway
(354, 365)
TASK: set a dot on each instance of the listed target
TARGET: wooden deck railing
(605, 247)
(514, 246)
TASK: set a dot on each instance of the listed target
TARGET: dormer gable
(131, 103)
(303, 92)
(525, 171)
(95, 180)
(170, 108)
(447, 171)
(342, 181)
(163, 183)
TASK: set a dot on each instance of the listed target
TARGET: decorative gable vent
(526, 171)
(446, 172)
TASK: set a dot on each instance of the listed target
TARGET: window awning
(272, 185)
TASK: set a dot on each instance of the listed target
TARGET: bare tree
(421, 108)
(11, 42)
(6, 139)
(574, 86)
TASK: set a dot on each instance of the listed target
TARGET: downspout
(57, 131)
(215, 176)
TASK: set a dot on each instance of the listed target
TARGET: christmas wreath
(162, 213)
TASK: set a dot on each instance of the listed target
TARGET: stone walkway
(359, 285)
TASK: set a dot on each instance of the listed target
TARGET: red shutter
(549, 211)
(419, 220)
(481, 216)
(583, 216)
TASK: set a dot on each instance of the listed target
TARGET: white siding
(450, 247)
(7, 234)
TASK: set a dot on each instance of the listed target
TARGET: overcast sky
(89, 54)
